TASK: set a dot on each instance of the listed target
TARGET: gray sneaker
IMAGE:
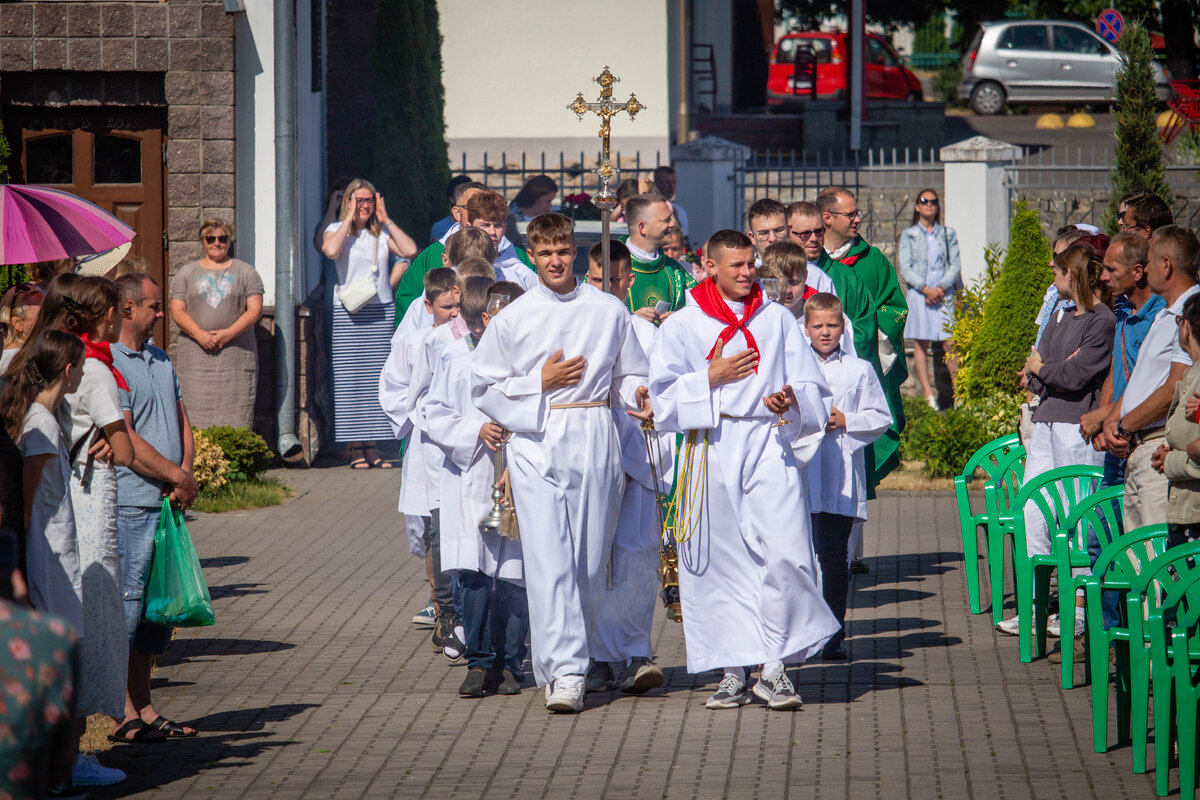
(641, 676)
(599, 677)
(778, 692)
(731, 693)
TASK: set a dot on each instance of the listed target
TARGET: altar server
(747, 572)
(488, 566)
(837, 475)
(548, 369)
(627, 612)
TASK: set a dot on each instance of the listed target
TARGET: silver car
(1042, 61)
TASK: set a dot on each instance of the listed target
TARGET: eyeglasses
(223, 239)
(802, 235)
(778, 233)
(927, 201)
(855, 214)
(364, 201)
(1127, 227)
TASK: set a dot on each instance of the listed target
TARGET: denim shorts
(135, 543)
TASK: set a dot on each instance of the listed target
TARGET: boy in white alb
(625, 616)
(748, 576)
(548, 369)
(491, 578)
(401, 389)
(837, 488)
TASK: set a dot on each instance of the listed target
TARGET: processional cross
(606, 108)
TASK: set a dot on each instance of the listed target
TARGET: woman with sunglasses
(18, 311)
(930, 265)
(216, 302)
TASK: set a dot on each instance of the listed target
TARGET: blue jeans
(135, 545)
(495, 616)
(1110, 602)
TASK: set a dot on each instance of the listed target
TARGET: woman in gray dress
(216, 302)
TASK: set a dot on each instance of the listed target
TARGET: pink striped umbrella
(43, 224)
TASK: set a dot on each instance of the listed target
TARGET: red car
(886, 78)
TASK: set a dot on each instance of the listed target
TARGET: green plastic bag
(176, 594)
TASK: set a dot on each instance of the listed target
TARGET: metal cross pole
(605, 108)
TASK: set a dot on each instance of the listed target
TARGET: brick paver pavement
(313, 683)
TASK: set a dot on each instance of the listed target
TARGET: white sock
(771, 669)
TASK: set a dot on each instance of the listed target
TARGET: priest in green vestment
(845, 248)
(656, 277)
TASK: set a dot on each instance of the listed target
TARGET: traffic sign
(1110, 24)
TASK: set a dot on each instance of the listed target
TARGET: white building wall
(510, 67)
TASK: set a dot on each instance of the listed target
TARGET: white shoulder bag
(359, 293)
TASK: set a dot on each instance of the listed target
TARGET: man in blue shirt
(1125, 273)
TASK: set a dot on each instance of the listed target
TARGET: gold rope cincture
(686, 506)
(668, 568)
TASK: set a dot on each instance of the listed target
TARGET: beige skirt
(218, 388)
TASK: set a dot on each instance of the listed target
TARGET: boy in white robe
(837, 489)
(548, 369)
(627, 612)
(488, 566)
(787, 263)
(748, 577)
(402, 385)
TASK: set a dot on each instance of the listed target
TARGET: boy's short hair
(824, 301)
(439, 281)
(487, 205)
(513, 290)
(549, 228)
(475, 298)
(467, 243)
(766, 207)
(618, 253)
(475, 268)
(770, 271)
(726, 240)
(637, 208)
(787, 258)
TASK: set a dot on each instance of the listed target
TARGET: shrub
(248, 454)
(944, 441)
(945, 84)
(210, 467)
(1008, 327)
(913, 440)
(968, 314)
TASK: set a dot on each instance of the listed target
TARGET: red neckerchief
(102, 352)
(808, 292)
(712, 303)
(850, 260)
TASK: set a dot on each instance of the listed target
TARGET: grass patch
(238, 495)
(908, 477)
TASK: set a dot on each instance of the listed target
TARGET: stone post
(705, 171)
(975, 203)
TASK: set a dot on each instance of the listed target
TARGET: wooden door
(113, 158)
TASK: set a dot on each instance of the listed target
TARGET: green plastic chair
(991, 458)
(1177, 647)
(1101, 512)
(1144, 614)
(999, 500)
(1121, 561)
(1055, 494)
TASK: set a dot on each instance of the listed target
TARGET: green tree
(1137, 151)
(1008, 327)
(408, 159)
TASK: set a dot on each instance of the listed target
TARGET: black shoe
(509, 684)
(834, 651)
(447, 637)
(859, 567)
(599, 677)
(475, 684)
(641, 676)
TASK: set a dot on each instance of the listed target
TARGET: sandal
(378, 461)
(142, 733)
(171, 729)
(360, 462)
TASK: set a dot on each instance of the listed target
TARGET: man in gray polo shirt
(162, 465)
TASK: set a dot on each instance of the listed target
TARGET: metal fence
(573, 175)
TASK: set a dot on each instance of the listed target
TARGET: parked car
(1042, 61)
(886, 78)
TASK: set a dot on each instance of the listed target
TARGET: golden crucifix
(606, 198)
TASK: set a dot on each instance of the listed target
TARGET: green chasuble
(412, 285)
(858, 305)
(878, 275)
(660, 279)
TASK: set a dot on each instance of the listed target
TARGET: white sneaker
(1010, 626)
(90, 772)
(1054, 626)
(567, 697)
(731, 693)
(777, 691)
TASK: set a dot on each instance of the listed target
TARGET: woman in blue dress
(930, 265)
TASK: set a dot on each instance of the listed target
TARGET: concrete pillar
(705, 170)
(975, 203)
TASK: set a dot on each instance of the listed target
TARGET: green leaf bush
(247, 452)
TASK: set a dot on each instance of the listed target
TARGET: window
(819, 46)
(879, 54)
(1074, 40)
(1024, 37)
(50, 159)
(118, 159)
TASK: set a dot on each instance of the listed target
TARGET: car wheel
(988, 98)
